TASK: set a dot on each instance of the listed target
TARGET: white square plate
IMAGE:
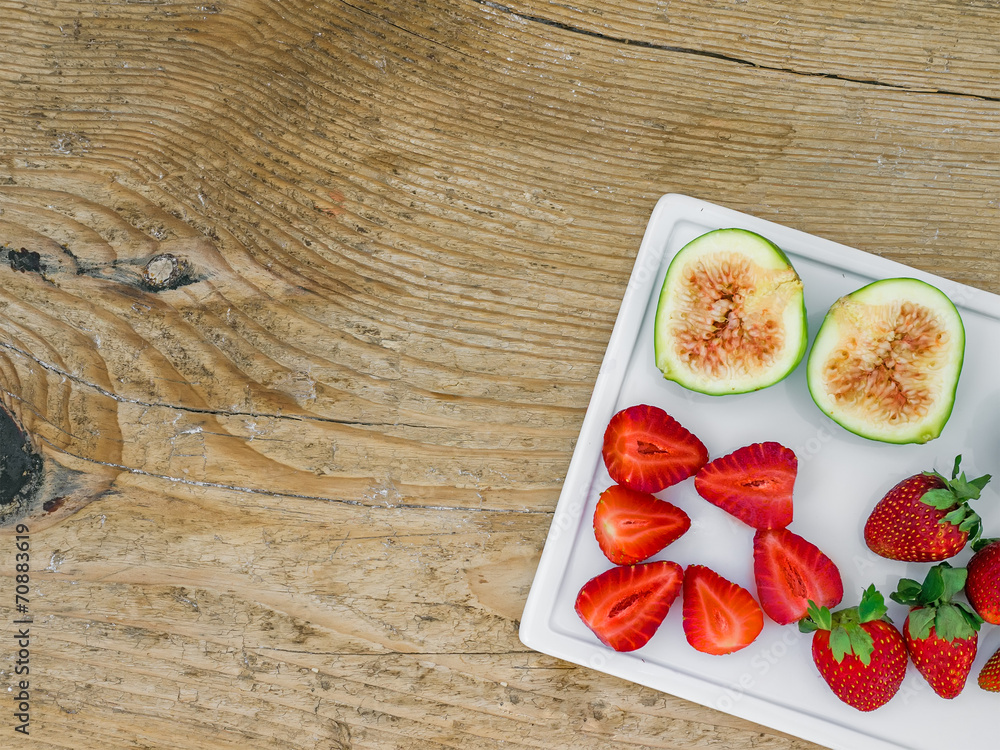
(841, 476)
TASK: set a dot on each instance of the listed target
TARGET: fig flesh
(731, 316)
(886, 361)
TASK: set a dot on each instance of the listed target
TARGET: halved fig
(731, 316)
(886, 361)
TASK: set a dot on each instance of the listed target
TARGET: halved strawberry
(789, 572)
(632, 526)
(646, 449)
(753, 483)
(625, 605)
(720, 617)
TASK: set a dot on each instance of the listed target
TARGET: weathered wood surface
(296, 499)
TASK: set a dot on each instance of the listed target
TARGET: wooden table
(302, 303)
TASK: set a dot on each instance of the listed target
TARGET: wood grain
(296, 497)
(946, 48)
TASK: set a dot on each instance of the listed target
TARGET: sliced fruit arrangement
(941, 634)
(989, 675)
(860, 654)
(624, 606)
(925, 517)
(886, 361)
(790, 572)
(754, 484)
(720, 616)
(982, 586)
(646, 449)
(731, 316)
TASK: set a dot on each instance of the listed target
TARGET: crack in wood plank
(645, 44)
(200, 410)
(295, 495)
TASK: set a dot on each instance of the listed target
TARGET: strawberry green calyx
(931, 605)
(981, 543)
(954, 497)
(846, 634)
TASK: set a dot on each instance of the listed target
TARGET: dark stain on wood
(19, 464)
(50, 506)
(24, 260)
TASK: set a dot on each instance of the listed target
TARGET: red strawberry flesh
(632, 526)
(789, 572)
(720, 617)
(624, 606)
(646, 449)
(754, 484)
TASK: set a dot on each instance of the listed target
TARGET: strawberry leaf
(953, 580)
(954, 497)
(933, 588)
(973, 525)
(956, 621)
(931, 605)
(957, 516)
(921, 621)
(872, 606)
(972, 618)
(980, 543)
(981, 482)
(818, 618)
(963, 489)
(939, 498)
(846, 634)
(949, 623)
(907, 592)
(840, 644)
(861, 644)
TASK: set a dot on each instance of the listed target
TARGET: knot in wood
(19, 465)
(164, 271)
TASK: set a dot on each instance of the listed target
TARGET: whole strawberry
(926, 518)
(857, 651)
(941, 635)
(983, 584)
(989, 675)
